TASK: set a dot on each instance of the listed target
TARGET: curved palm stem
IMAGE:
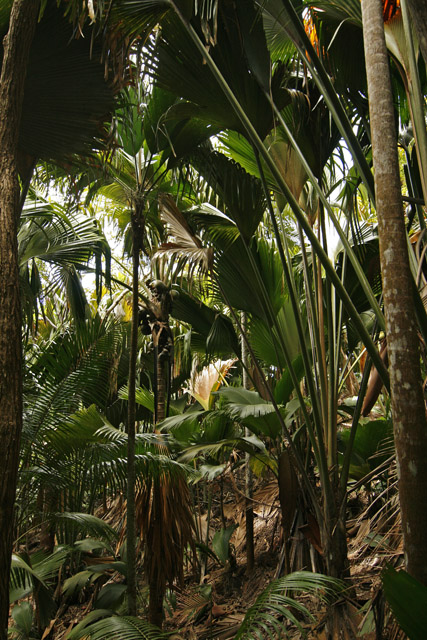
(257, 142)
(321, 78)
(415, 103)
(343, 236)
(318, 445)
(298, 461)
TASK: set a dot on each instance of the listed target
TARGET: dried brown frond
(166, 526)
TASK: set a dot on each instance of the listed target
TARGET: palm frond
(240, 193)
(115, 628)
(29, 572)
(86, 524)
(273, 610)
(67, 99)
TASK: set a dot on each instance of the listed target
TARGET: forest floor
(212, 605)
(214, 609)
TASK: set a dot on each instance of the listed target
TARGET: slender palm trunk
(161, 390)
(409, 418)
(137, 232)
(249, 512)
(157, 582)
(17, 45)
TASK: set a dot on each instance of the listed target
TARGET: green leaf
(22, 615)
(373, 438)
(115, 628)
(221, 542)
(212, 471)
(85, 522)
(285, 387)
(183, 426)
(67, 98)
(77, 582)
(143, 396)
(274, 607)
(248, 408)
(79, 630)
(407, 598)
(110, 596)
(241, 397)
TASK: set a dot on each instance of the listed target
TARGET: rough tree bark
(17, 45)
(409, 418)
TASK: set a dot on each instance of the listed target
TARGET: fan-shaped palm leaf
(67, 99)
(182, 71)
(64, 240)
(240, 194)
(185, 241)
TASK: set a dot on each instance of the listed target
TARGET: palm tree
(408, 402)
(153, 138)
(55, 245)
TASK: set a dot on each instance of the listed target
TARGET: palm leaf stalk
(319, 448)
(297, 458)
(193, 247)
(271, 319)
(342, 234)
(328, 412)
(320, 252)
(418, 12)
(284, 14)
(354, 424)
(411, 81)
(401, 45)
(284, 189)
(324, 418)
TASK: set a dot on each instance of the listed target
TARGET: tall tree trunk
(409, 418)
(137, 235)
(249, 512)
(17, 45)
(157, 581)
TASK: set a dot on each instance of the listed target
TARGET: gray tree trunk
(17, 45)
(409, 417)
